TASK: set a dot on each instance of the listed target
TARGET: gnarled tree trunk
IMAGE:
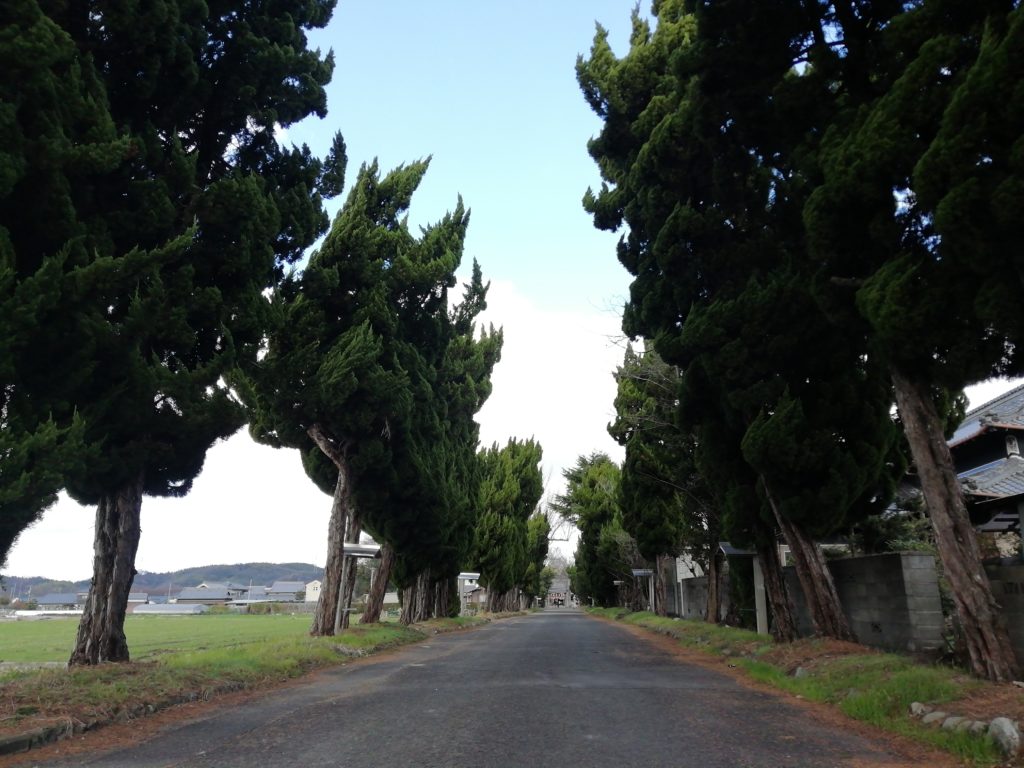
(379, 588)
(783, 624)
(116, 540)
(988, 644)
(325, 617)
(816, 580)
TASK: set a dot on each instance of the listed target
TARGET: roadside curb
(39, 737)
(23, 742)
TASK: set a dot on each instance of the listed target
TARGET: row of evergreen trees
(821, 205)
(149, 226)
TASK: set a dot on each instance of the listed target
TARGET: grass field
(151, 637)
(175, 659)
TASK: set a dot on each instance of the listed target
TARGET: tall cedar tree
(441, 483)
(172, 250)
(915, 228)
(665, 501)
(364, 348)
(716, 244)
(538, 529)
(591, 503)
(511, 485)
(57, 141)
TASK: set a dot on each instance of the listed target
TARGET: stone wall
(694, 594)
(891, 600)
(1008, 588)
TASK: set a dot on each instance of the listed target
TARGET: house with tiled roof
(209, 595)
(986, 450)
(287, 591)
(62, 601)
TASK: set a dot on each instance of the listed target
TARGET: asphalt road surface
(555, 688)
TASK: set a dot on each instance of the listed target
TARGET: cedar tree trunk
(815, 578)
(325, 616)
(783, 624)
(660, 592)
(418, 599)
(118, 527)
(349, 569)
(375, 601)
(714, 583)
(988, 644)
(442, 598)
(408, 598)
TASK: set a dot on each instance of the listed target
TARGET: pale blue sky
(489, 90)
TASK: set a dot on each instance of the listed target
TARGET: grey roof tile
(1004, 477)
(1007, 410)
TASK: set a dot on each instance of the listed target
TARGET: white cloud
(554, 381)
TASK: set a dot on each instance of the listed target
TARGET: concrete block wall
(891, 600)
(1008, 589)
(694, 597)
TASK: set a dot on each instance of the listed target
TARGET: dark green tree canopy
(716, 244)
(57, 143)
(511, 485)
(667, 506)
(166, 254)
(366, 348)
(591, 503)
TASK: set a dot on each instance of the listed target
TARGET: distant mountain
(259, 574)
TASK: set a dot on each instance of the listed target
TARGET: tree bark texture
(493, 598)
(783, 625)
(503, 602)
(714, 606)
(330, 590)
(816, 580)
(442, 597)
(660, 591)
(418, 599)
(988, 643)
(116, 540)
(349, 569)
(375, 601)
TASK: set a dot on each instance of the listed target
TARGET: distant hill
(263, 574)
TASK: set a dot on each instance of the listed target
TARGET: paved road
(551, 689)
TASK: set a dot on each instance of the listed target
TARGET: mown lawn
(150, 637)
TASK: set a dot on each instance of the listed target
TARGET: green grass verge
(873, 687)
(150, 637)
(178, 659)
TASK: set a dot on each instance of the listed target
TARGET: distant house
(61, 601)
(313, 591)
(986, 450)
(135, 599)
(171, 609)
(254, 594)
(473, 594)
(233, 590)
(203, 596)
(286, 592)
